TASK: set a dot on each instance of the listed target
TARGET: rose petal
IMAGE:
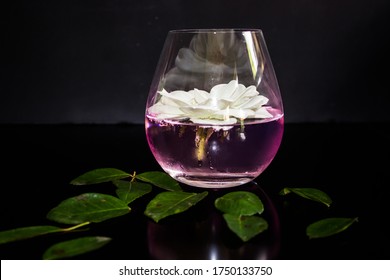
(201, 96)
(199, 111)
(179, 95)
(241, 113)
(170, 102)
(250, 92)
(224, 91)
(262, 113)
(217, 104)
(240, 90)
(254, 102)
(159, 108)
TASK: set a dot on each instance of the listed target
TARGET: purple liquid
(214, 157)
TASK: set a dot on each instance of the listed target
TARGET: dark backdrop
(92, 61)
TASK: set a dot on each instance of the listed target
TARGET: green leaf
(75, 247)
(26, 232)
(245, 227)
(329, 226)
(309, 193)
(130, 191)
(88, 207)
(100, 175)
(240, 203)
(30, 232)
(159, 179)
(170, 203)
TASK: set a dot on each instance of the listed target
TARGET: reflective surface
(205, 234)
(348, 161)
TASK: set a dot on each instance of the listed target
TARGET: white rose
(225, 104)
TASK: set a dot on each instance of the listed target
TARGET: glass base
(222, 181)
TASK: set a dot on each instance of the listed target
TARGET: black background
(79, 65)
(93, 61)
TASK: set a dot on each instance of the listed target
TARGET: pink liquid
(212, 157)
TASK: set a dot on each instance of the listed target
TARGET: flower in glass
(225, 104)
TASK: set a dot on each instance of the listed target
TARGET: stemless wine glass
(214, 115)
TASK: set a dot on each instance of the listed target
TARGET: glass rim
(215, 30)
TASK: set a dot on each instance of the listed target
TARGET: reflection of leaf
(240, 203)
(159, 179)
(75, 247)
(100, 175)
(329, 226)
(170, 203)
(246, 227)
(309, 193)
(88, 207)
(130, 191)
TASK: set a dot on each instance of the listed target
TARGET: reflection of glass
(203, 234)
(214, 115)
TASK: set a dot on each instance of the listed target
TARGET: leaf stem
(133, 176)
(201, 139)
(76, 226)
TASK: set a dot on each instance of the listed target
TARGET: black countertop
(348, 161)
